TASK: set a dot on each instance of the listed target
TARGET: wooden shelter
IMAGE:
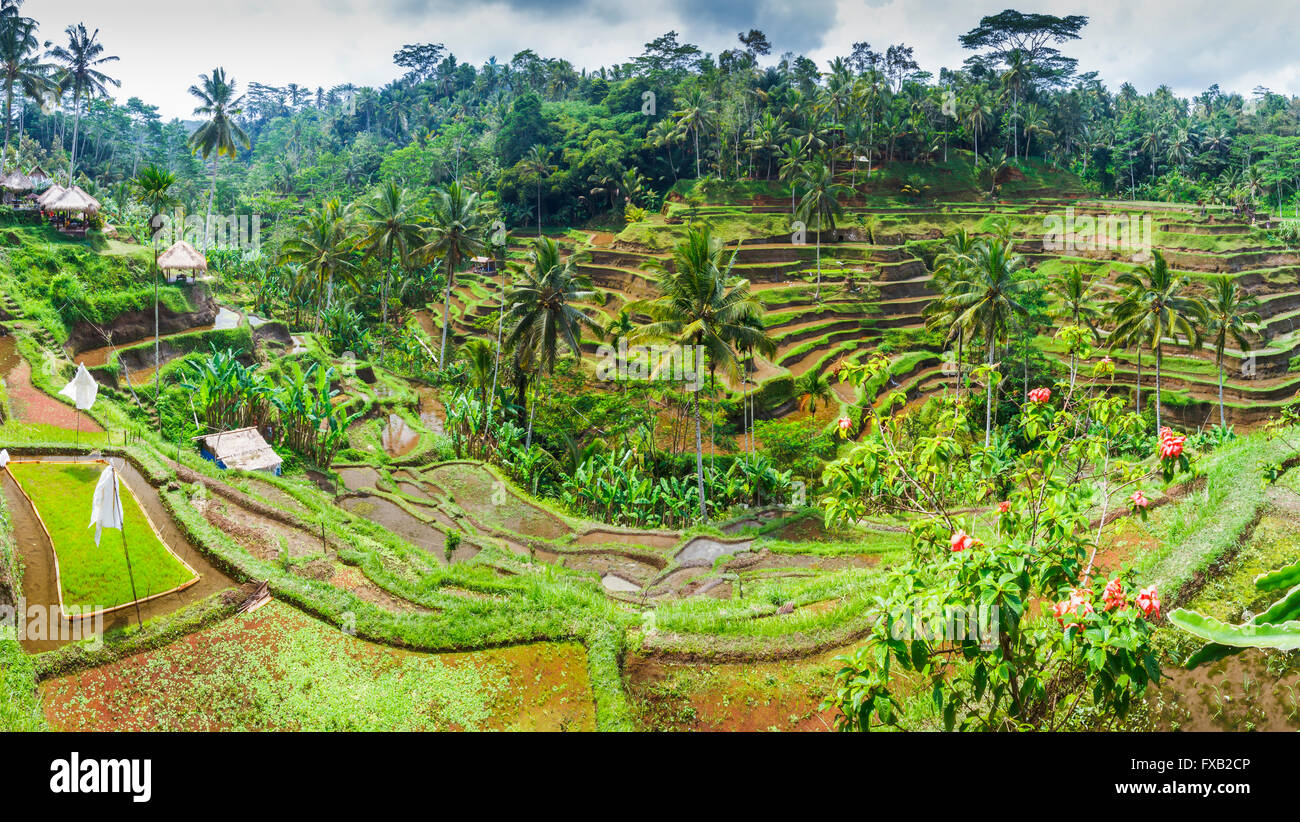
(50, 195)
(17, 186)
(69, 211)
(242, 449)
(182, 257)
(39, 177)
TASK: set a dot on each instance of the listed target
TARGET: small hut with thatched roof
(71, 210)
(243, 449)
(39, 177)
(48, 196)
(16, 186)
(182, 257)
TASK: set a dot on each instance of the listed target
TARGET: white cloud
(1187, 44)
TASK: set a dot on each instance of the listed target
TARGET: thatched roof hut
(242, 449)
(51, 194)
(39, 177)
(73, 200)
(17, 182)
(182, 257)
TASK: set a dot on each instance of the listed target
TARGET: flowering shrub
(1057, 640)
(1040, 395)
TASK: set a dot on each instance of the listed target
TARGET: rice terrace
(718, 388)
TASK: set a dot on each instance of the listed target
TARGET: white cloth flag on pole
(4, 458)
(82, 389)
(106, 507)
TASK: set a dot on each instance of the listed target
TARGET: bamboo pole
(117, 502)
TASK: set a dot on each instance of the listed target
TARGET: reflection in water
(398, 438)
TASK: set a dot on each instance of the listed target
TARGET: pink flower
(1004, 506)
(961, 541)
(1139, 499)
(1107, 361)
(1071, 611)
(844, 423)
(1114, 595)
(1171, 444)
(1148, 601)
(1040, 395)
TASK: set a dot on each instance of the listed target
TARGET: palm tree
(323, 246)
(987, 300)
(1155, 307)
(219, 103)
(695, 115)
(701, 304)
(538, 163)
(951, 266)
(81, 59)
(1073, 295)
(978, 113)
(389, 227)
(821, 200)
(153, 188)
(456, 233)
(790, 168)
(20, 67)
(1230, 313)
(811, 388)
(542, 311)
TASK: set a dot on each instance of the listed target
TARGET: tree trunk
(1159, 351)
(1222, 421)
(207, 220)
(988, 400)
(446, 313)
(1139, 380)
(76, 128)
(157, 345)
(699, 456)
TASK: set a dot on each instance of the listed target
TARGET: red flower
(1149, 601)
(1114, 594)
(961, 541)
(1139, 499)
(1171, 444)
(1040, 395)
(1072, 611)
(1004, 506)
(1107, 360)
(844, 423)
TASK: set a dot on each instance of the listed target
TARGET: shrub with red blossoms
(1114, 595)
(1073, 610)
(1148, 601)
(1171, 444)
(961, 541)
(1004, 506)
(1040, 395)
(1139, 500)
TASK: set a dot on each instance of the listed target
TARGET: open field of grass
(95, 576)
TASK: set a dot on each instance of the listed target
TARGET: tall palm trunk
(818, 295)
(988, 400)
(76, 128)
(1222, 422)
(446, 314)
(157, 345)
(699, 456)
(207, 220)
(9, 106)
(1159, 352)
(1139, 381)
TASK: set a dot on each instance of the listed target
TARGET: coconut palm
(1157, 306)
(700, 304)
(219, 103)
(81, 60)
(987, 299)
(978, 114)
(389, 228)
(538, 163)
(696, 114)
(542, 311)
(324, 248)
(820, 202)
(943, 315)
(811, 388)
(20, 67)
(153, 188)
(457, 226)
(1229, 313)
(1073, 295)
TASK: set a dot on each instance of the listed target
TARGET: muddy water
(431, 413)
(613, 582)
(704, 550)
(357, 478)
(226, 318)
(40, 586)
(651, 539)
(382, 512)
(398, 438)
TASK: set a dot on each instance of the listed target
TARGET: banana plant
(1277, 627)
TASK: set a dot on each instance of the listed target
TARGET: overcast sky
(163, 45)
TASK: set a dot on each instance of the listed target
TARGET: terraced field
(875, 283)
